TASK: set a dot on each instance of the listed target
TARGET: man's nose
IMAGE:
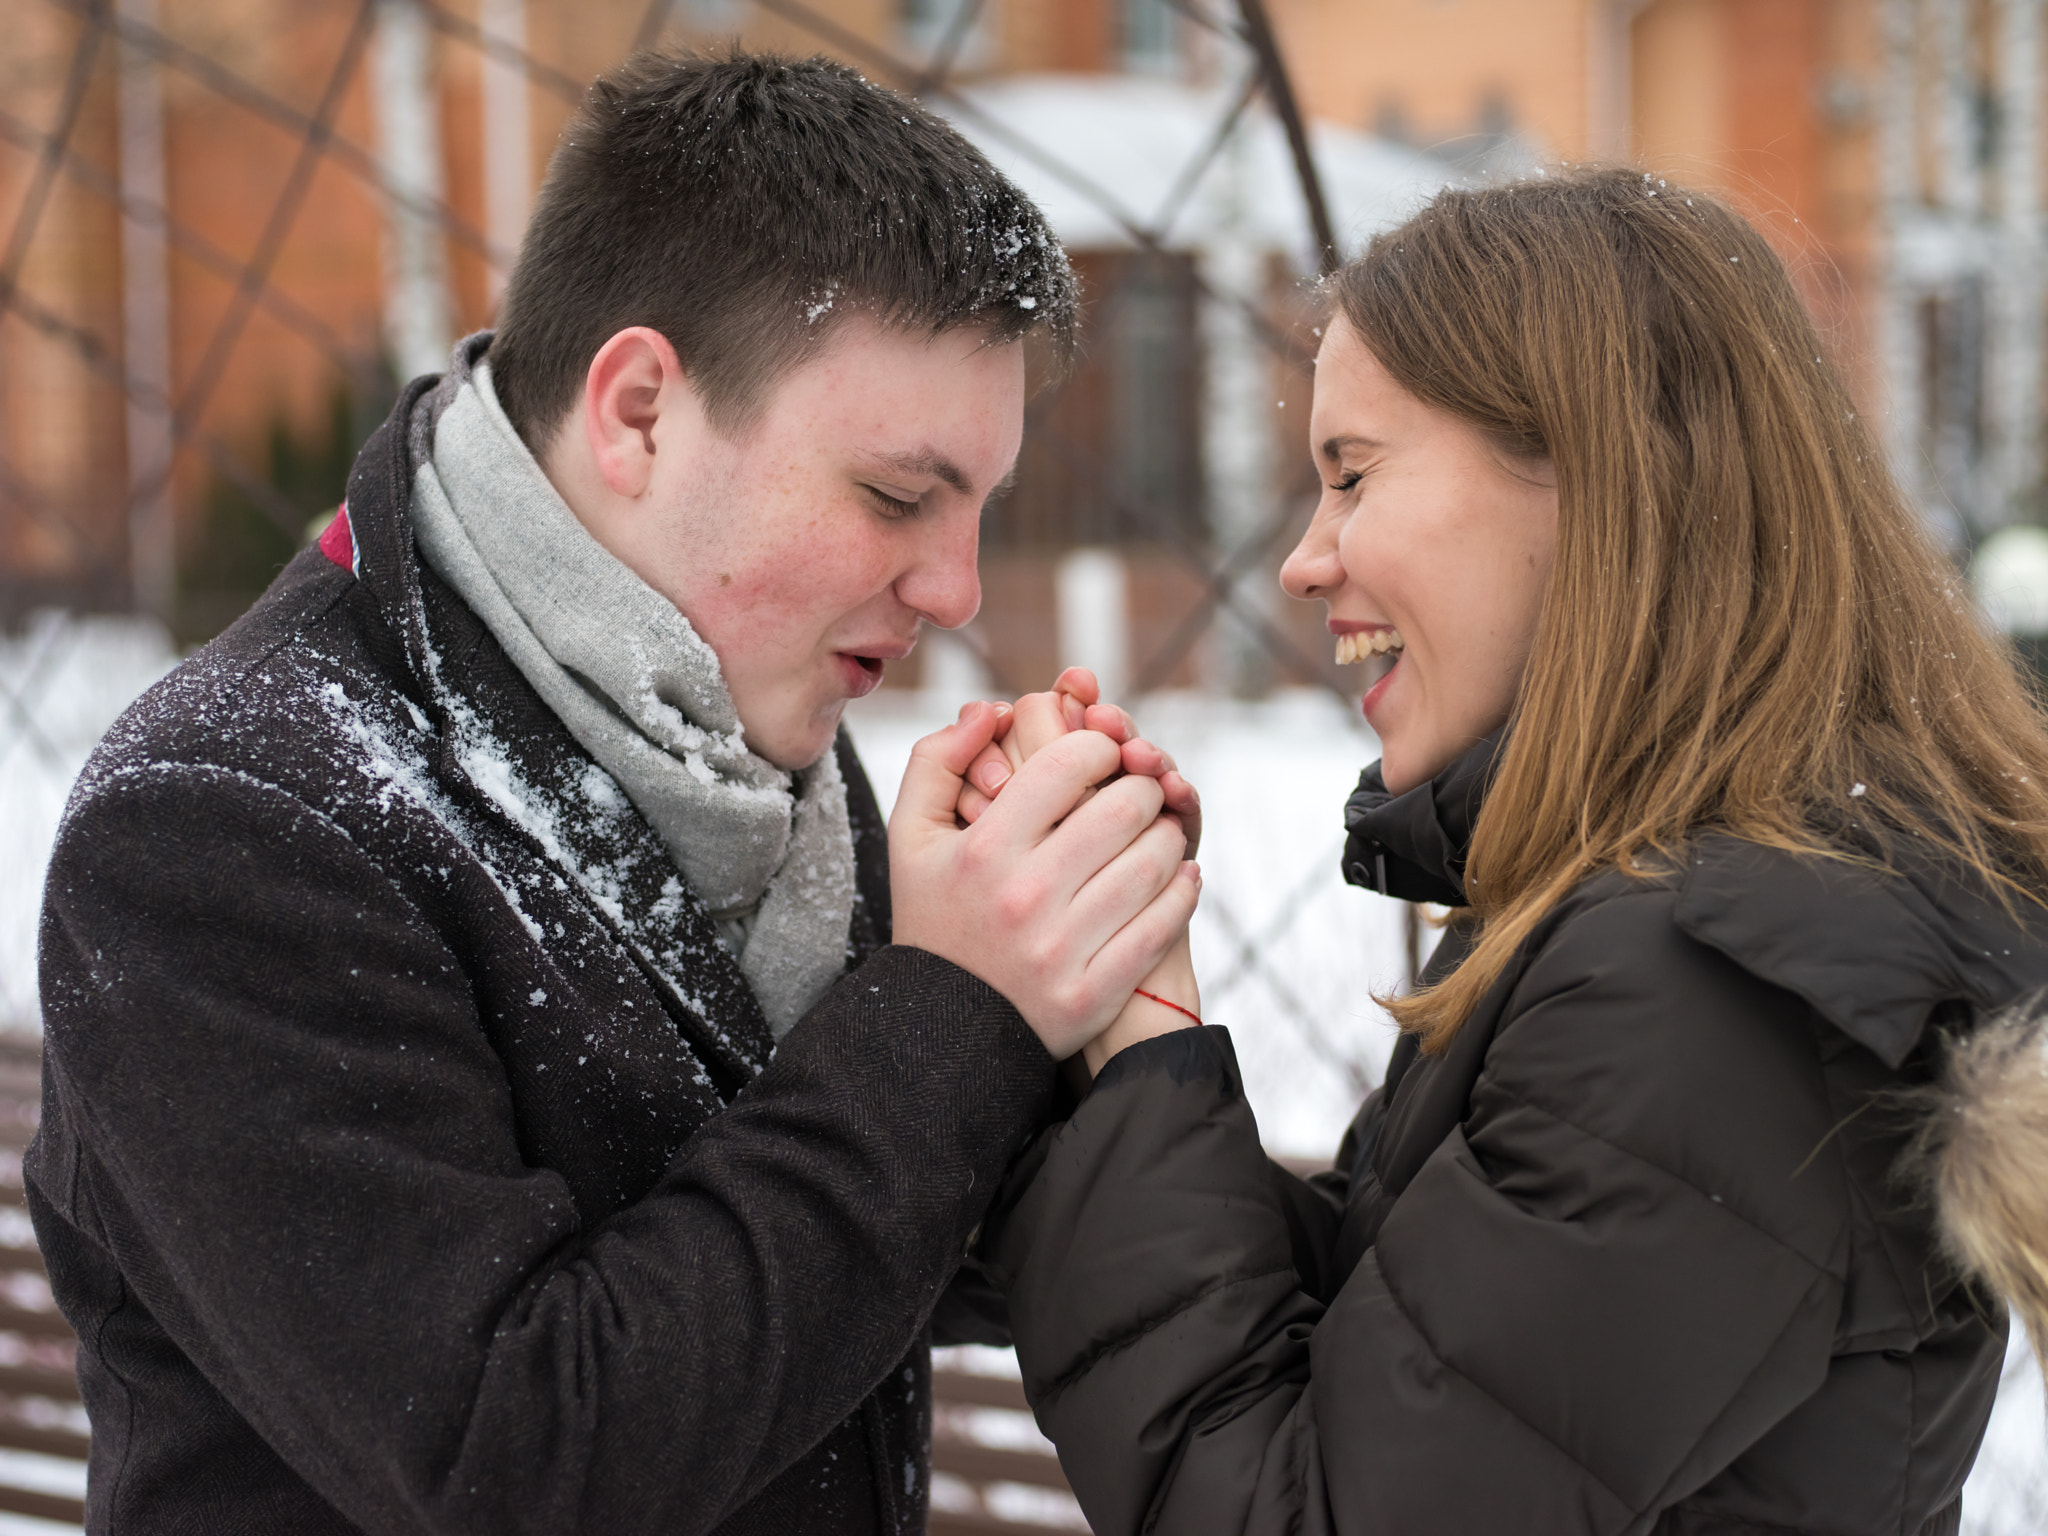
(944, 582)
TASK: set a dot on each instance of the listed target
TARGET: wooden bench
(39, 1408)
(973, 1475)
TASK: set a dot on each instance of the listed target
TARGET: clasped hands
(1047, 848)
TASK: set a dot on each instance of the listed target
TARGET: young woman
(1748, 822)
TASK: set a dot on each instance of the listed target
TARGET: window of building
(1115, 457)
(1151, 36)
(1953, 427)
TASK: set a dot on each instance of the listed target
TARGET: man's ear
(634, 377)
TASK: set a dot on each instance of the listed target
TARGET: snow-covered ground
(1288, 955)
(62, 683)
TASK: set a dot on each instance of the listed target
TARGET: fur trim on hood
(1984, 1156)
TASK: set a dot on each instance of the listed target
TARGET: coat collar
(1414, 845)
(1876, 951)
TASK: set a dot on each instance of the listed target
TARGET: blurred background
(230, 229)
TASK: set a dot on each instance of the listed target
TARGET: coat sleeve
(1619, 1270)
(286, 1126)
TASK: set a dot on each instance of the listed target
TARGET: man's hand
(1060, 905)
(1072, 704)
(1038, 720)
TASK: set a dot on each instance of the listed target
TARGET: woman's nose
(1313, 569)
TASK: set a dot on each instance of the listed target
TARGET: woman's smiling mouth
(1358, 646)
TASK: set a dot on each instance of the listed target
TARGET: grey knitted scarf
(768, 852)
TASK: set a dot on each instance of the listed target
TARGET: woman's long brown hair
(1746, 627)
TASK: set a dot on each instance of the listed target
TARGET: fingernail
(993, 775)
(1195, 871)
(1002, 708)
(965, 710)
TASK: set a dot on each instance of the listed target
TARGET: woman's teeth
(1357, 647)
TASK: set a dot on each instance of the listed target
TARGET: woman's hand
(1073, 704)
(1143, 1017)
(1039, 719)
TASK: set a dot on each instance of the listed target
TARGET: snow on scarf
(770, 853)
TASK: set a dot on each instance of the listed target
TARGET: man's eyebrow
(928, 461)
(1333, 447)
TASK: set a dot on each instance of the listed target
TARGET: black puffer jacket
(412, 1156)
(1627, 1257)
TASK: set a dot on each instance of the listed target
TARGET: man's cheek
(774, 594)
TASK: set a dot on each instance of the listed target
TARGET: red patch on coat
(338, 543)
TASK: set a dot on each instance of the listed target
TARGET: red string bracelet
(1176, 1007)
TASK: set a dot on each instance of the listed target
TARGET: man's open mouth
(1357, 647)
(860, 675)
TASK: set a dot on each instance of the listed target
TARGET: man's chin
(799, 747)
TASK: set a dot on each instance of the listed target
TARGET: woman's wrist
(1168, 999)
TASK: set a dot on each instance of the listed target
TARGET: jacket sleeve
(1618, 1271)
(279, 1115)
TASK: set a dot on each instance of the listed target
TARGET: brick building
(1891, 147)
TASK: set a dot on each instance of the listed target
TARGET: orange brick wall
(1731, 94)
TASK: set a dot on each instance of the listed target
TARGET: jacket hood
(1877, 951)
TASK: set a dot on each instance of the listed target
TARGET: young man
(481, 1093)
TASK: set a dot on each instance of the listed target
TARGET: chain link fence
(1206, 543)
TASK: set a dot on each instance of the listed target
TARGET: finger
(1046, 789)
(933, 778)
(1124, 961)
(972, 803)
(1141, 756)
(1112, 721)
(1100, 829)
(1079, 683)
(1123, 888)
(1184, 801)
(991, 766)
(1041, 718)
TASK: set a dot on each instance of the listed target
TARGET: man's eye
(894, 506)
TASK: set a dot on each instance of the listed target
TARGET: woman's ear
(634, 377)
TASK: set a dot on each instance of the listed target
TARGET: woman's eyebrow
(1333, 447)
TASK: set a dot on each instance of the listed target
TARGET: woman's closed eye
(1348, 480)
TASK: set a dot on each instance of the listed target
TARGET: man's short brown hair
(742, 206)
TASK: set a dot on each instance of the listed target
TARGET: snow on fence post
(2013, 334)
(1093, 600)
(508, 135)
(146, 324)
(1237, 439)
(416, 320)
